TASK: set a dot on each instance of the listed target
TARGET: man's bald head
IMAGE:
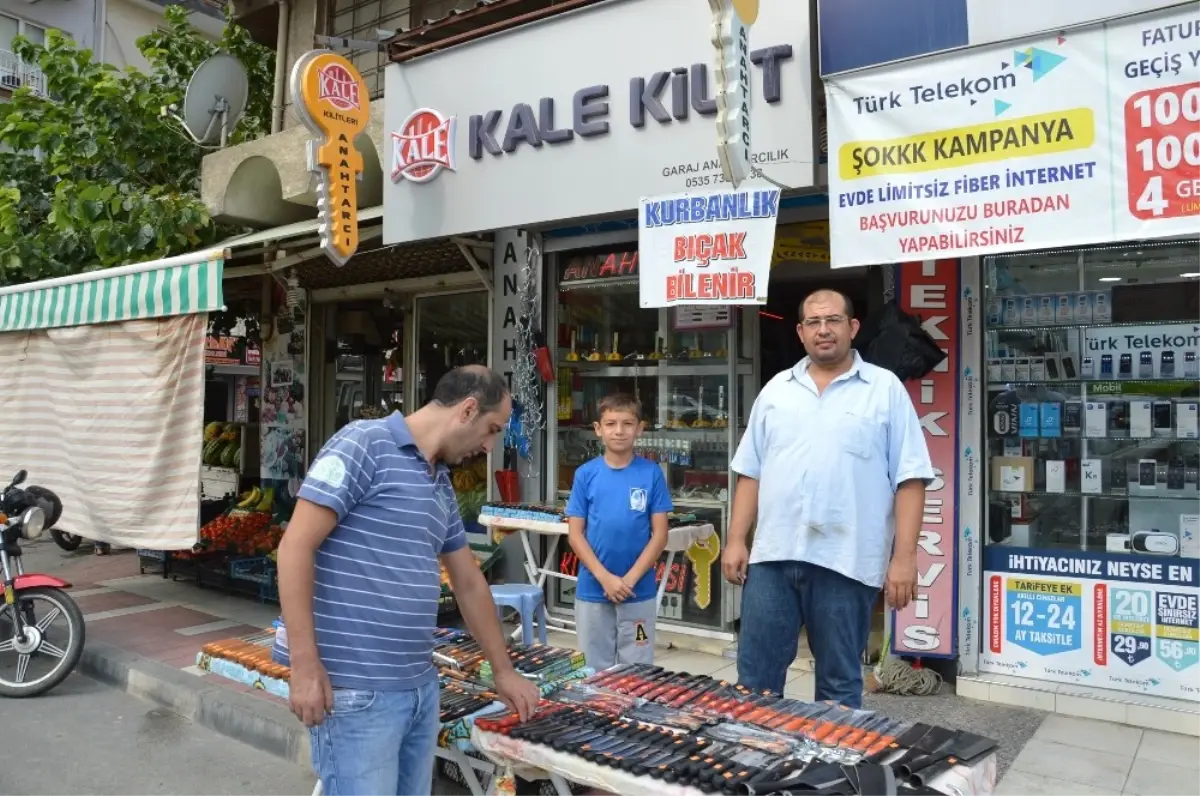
(826, 295)
(486, 386)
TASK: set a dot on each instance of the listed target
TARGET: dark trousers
(781, 597)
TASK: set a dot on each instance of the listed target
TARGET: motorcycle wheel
(17, 654)
(67, 541)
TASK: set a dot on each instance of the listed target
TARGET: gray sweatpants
(612, 633)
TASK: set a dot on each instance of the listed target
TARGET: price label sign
(1177, 641)
(1130, 625)
(1044, 615)
(1162, 152)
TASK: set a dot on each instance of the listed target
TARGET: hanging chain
(526, 381)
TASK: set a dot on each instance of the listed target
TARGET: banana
(268, 500)
(251, 499)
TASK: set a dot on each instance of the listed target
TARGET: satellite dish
(215, 99)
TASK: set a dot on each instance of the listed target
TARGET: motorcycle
(31, 633)
(49, 503)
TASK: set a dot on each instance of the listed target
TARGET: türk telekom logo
(338, 87)
(423, 146)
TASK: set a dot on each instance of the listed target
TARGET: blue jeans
(779, 599)
(376, 743)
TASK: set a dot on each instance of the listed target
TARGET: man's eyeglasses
(813, 324)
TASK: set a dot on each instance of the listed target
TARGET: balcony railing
(15, 73)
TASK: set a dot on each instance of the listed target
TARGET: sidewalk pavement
(144, 632)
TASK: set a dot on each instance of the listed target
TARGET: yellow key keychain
(703, 554)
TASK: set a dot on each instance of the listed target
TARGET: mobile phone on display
(1166, 365)
(1072, 416)
(1052, 368)
(1162, 418)
(1068, 366)
(1125, 367)
(1118, 418)
(1120, 476)
(1146, 365)
(1191, 367)
(1089, 368)
(1147, 473)
(1106, 366)
(1176, 472)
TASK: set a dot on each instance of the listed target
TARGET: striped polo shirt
(376, 583)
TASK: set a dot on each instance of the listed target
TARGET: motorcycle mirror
(19, 478)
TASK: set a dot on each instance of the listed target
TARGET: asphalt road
(86, 738)
(45, 556)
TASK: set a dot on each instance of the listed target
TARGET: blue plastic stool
(527, 600)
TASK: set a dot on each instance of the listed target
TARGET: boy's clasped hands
(616, 589)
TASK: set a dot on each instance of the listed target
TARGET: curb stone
(255, 722)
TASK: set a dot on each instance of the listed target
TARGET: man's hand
(311, 694)
(901, 583)
(518, 693)
(734, 560)
(615, 589)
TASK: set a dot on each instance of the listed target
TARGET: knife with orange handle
(829, 722)
(861, 729)
(860, 719)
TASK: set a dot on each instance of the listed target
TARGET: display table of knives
(466, 678)
(636, 729)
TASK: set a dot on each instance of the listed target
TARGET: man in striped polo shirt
(358, 580)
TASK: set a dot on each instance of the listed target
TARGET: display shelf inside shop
(640, 728)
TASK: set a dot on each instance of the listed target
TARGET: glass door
(452, 331)
(364, 357)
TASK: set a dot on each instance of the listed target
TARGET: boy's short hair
(619, 402)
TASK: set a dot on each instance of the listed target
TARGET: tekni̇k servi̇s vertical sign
(731, 40)
(331, 100)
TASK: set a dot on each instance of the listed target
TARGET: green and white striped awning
(161, 288)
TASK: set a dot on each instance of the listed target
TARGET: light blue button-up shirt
(828, 466)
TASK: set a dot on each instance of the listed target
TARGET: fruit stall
(640, 728)
(240, 531)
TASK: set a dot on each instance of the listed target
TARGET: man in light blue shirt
(833, 468)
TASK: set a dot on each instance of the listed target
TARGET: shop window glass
(1092, 398)
(452, 331)
(678, 364)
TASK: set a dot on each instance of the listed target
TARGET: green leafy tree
(95, 176)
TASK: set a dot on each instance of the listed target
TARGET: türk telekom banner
(926, 628)
(1088, 136)
(706, 248)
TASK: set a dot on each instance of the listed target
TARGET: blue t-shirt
(616, 506)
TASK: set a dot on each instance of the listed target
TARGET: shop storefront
(693, 371)
(383, 347)
(1072, 228)
(558, 159)
(1090, 540)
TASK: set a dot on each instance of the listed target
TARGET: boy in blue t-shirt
(617, 515)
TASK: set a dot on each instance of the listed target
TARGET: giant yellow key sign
(747, 10)
(703, 555)
(331, 100)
